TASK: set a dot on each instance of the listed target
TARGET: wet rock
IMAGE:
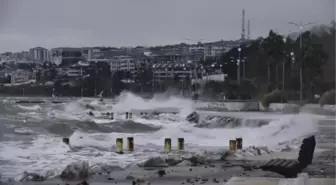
(155, 162)
(193, 117)
(185, 163)
(196, 159)
(189, 180)
(224, 155)
(215, 180)
(102, 168)
(75, 171)
(83, 183)
(32, 177)
(141, 181)
(217, 122)
(130, 177)
(173, 161)
(161, 173)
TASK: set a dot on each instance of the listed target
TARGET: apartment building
(172, 70)
(39, 54)
(123, 63)
(66, 56)
(22, 76)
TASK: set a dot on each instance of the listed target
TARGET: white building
(71, 72)
(197, 49)
(87, 53)
(66, 56)
(39, 54)
(123, 63)
(21, 76)
(213, 51)
(171, 70)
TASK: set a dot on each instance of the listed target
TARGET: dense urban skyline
(26, 24)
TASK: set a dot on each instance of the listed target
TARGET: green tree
(144, 77)
(313, 59)
(273, 46)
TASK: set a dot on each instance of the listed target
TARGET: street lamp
(244, 66)
(292, 56)
(238, 65)
(300, 26)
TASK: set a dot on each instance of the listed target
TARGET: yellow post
(112, 116)
(233, 146)
(180, 144)
(167, 145)
(119, 145)
(130, 144)
(239, 142)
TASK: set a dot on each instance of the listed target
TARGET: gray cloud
(53, 23)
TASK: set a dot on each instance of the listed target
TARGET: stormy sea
(31, 133)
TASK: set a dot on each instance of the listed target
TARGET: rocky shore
(195, 169)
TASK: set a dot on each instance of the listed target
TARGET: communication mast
(248, 30)
(243, 26)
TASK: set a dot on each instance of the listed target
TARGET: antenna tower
(243, 26)
(248, 30)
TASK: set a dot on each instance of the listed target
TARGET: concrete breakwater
(228, 106)
(273, 107)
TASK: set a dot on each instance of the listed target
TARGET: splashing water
(93, 139)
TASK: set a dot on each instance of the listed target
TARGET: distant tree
(117, 84)
(313, 59)
(144, 77)
(273, 46)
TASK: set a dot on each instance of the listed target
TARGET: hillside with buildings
(248, 67)
(119, 68)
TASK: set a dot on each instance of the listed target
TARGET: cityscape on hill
(235, 69)
(69, 65)
(167, 92)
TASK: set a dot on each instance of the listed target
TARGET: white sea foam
(47, 153)
(29, 108)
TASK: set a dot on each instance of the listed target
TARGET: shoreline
(214, 172)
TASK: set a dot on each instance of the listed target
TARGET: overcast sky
(55, 23)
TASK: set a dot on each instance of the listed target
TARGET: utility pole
(82, 82)
(95, 90)
(300, 26)
(153, 79)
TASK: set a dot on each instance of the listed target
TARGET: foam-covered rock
(173, 160)
(185, 163)
(76, 171)
(155, 162)
(196, 159)
(103, 168)
(217, 122)
(32, 177)
(193, 117)
(253, 151)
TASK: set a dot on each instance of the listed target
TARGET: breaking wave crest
(92, 138)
